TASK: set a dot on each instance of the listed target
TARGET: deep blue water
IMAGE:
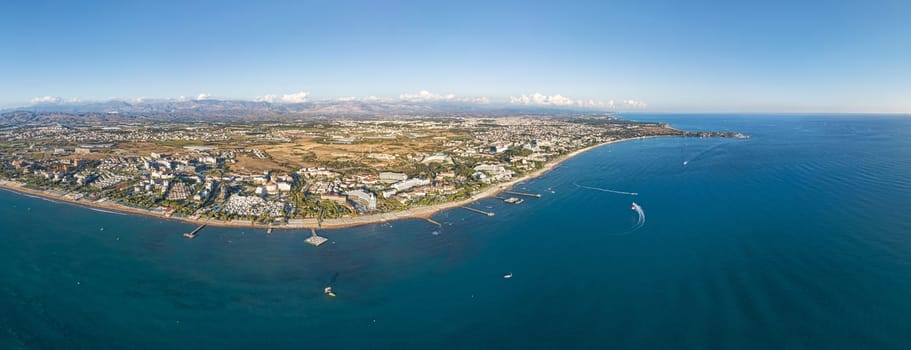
(799, 237)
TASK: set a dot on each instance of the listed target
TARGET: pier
(432, 221)
(314, 239)
(535, 195)
(192, 234)
(478, 211)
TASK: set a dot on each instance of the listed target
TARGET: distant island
(303, 172)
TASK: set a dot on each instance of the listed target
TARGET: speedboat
(507, 276)
(329, 292)
(635, 207)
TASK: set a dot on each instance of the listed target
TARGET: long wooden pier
(536, 195)
(478, 211)
(192, 234)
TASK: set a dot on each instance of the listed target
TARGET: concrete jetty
(536, 195)
(432, 221)
(510, 200)
(314, 239)
(478, 211)
(192, 234)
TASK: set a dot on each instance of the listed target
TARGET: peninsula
(294, 173)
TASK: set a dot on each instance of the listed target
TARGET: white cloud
(266, 98)
(538, 99)
(634, 104)
(346, 99)
(299, 97)
(46, 99)
(427, 96)
(424, 96)
(53, 100)
(373, 98)
(478, 100)
(202, 96)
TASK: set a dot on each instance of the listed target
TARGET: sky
(664, 56)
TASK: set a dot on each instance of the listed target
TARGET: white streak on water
(105, 211)
(639, 211)
(606, 190)
(37, 197)
(641, 221)
(707, 150)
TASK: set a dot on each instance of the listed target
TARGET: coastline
(424, 212)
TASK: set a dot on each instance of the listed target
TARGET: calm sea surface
(799, 237)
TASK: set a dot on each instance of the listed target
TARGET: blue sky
(743, 56)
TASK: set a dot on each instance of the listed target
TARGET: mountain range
(238, 110)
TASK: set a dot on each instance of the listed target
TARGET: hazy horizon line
(556, 102)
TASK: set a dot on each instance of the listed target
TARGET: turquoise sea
(799, 237)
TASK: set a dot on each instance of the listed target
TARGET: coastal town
(296, 173)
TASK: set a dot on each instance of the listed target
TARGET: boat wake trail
(606, 190)
(704, 152)
(641, 221)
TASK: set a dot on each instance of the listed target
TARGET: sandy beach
(424, 212)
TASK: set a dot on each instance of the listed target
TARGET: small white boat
(507, 276)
